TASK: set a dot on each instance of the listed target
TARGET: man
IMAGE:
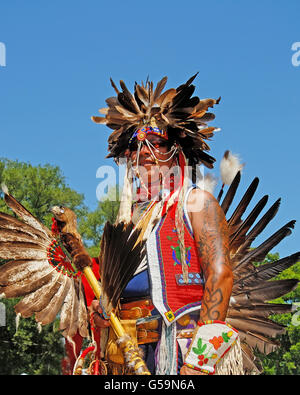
(180, 304)
(157, 148)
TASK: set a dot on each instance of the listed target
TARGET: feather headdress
(177, 111)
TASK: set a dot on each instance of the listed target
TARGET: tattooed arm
(211, 235)
(212, 239)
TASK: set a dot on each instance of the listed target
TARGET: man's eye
(160, 145)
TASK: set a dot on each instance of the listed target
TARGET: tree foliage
(91, 227)
(29, 349)
(39, 188)
(286, 359)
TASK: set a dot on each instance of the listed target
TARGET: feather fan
(39, 271)
(43, 270)
(117, 269)
(254, 285)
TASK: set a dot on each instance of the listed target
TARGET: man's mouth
(147, 161)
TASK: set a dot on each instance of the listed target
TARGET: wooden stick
(126, 344)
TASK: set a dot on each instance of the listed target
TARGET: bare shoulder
(199, 199)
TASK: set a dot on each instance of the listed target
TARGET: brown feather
(82, 314)
(166, 98)
(127, 99)
(72, 330)
(249, 359)
(242, 206)
(39, 299)
(49, 313)
(265, 291)
(25, 215)
(226, 203)
(18, 270)
(13, 235)
(256, 310)
(239, 235)
(260, 342)
(264, 272)
(100, 120)
(114, 86)
(119, 260)
(257, 326)
(65, 317)
(259, 227)
(20, 250)
(142, 95)
(11, 223)
(159, 88)
(259, 253)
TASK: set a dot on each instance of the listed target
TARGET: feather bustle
(49, 313)
(38, 300)
(25, 215)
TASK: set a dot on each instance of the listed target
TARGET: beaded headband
(142, 133)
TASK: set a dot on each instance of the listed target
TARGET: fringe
(232, 361)
(103, 341)
(70, 340)
(124, 214)
(166, 351)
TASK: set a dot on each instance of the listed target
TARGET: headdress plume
(177, 111)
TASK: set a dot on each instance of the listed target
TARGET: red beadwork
(58, 259)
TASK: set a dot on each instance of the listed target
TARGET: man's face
(150, 166)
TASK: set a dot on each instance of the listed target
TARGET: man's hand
(98, 320)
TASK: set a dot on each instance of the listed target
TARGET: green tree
(91, 227)
(286, 359)
(38, 188)
(29, 349)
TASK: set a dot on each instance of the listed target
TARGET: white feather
(208, 183)
(229, 166)
(124, 214)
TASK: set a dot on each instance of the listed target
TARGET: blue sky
(60, 55)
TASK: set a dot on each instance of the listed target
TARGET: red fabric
(70, 358)
(54, 227)
(89, 294)
(177, 298)
(182, 164)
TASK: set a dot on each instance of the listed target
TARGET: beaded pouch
(212, 340)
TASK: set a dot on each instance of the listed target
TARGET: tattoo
(210, 303)
(213, 246)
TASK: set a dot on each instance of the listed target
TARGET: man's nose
(145, 149)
